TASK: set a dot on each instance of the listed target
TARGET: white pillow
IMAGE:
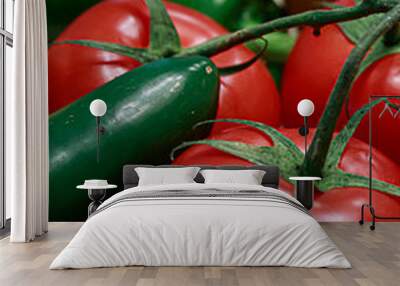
(163, 176)
(247, 177)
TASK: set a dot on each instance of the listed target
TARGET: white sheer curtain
(27, 124)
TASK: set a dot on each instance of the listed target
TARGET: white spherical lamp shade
(305, 107)
(98, 107)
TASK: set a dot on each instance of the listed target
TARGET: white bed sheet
(200, 232)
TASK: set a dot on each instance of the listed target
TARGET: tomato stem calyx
(164, 39)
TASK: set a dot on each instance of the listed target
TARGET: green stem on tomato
(341, 179)
(316, 156)
(313, 18)
(316, 18)
(164, 39)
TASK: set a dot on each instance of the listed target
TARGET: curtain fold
(27, 124)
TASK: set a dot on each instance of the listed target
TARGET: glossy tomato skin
(340, 204)
(75, 71)
(312, 70)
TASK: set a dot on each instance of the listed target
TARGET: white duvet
(200, 231)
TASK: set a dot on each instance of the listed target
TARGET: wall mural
(164, 76)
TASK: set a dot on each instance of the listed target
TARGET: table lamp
(305, 108)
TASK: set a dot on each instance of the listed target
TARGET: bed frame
(271, 177)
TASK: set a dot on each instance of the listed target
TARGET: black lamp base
(304, 130)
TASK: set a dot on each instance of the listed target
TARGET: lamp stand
(303, 131)
(100, 131)
(98, 138)
(306, 133)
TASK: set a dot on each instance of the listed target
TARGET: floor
(5, 231)
(375, 257)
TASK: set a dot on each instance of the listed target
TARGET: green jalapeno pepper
(151, 109)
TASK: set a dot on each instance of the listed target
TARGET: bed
(201, 224)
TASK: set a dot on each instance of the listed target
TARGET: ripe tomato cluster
(310, 72)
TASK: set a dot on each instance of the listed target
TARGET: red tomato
(75, 71)
(340, 204)
(312, 70)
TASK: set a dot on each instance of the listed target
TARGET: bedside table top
(87, 187)
(305, 178)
